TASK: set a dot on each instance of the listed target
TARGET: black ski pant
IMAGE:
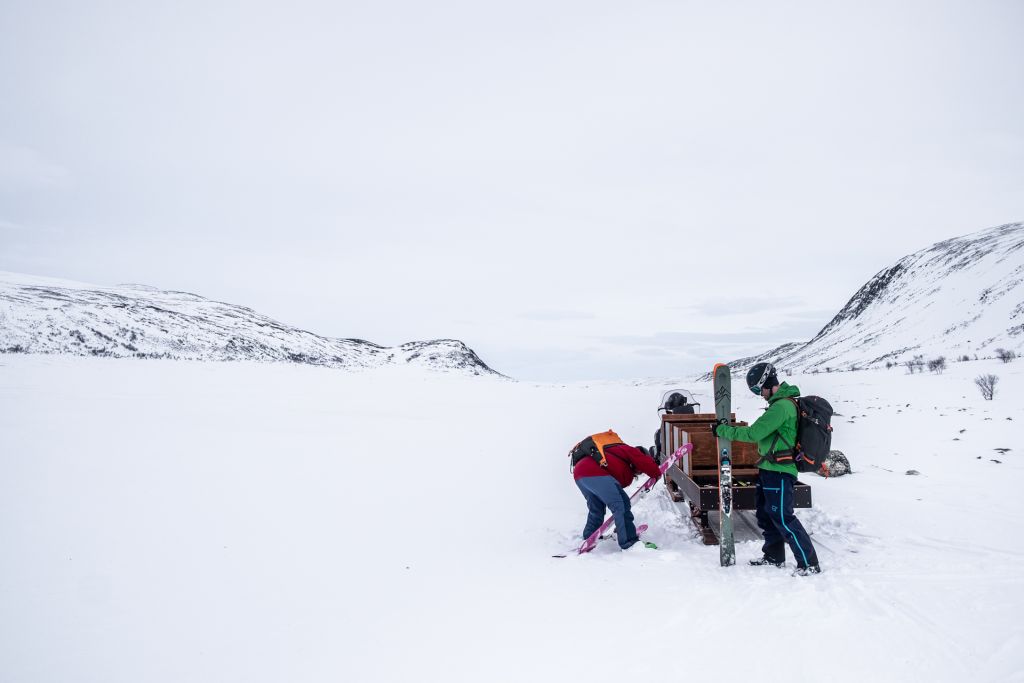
(778, 523)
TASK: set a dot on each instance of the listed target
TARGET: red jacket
(624, 462)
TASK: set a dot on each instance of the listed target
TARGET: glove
(716, 424)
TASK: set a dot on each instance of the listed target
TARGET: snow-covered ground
(176, 521)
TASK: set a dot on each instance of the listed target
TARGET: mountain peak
(961, 296)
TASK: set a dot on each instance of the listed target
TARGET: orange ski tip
(719, 365)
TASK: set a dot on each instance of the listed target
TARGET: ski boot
(807, 571)
(766, 562)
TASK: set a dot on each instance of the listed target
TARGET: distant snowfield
(176, 521)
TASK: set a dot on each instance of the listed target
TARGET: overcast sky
(575, 189)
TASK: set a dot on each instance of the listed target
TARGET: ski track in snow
(168, 521)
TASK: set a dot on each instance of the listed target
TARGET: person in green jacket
(775, 435)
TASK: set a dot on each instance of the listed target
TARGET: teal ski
(723, 411)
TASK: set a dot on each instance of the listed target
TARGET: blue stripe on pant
(605, 492)
(778, 523)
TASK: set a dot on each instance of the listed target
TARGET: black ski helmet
(761, 375)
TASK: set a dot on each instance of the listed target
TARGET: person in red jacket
(602, 478)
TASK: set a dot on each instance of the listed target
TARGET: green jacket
(780, 418)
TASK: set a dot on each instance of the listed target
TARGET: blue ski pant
(778, 523)
(605, 492)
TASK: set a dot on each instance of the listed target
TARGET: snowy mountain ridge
(51, 316)
(962, 296)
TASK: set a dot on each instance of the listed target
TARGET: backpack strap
(622, 460)
(602, 441)
(785, 456)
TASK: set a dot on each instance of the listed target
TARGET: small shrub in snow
(1005, 355)
(915, 365)
(987, 385)
(937, 365)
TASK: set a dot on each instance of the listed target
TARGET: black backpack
(813, 435)
(813, 432)
(593, 447)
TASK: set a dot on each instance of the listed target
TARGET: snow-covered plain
(179, 521)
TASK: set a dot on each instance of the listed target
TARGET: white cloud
(558, 316)
(11, 226)
(25, 168)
